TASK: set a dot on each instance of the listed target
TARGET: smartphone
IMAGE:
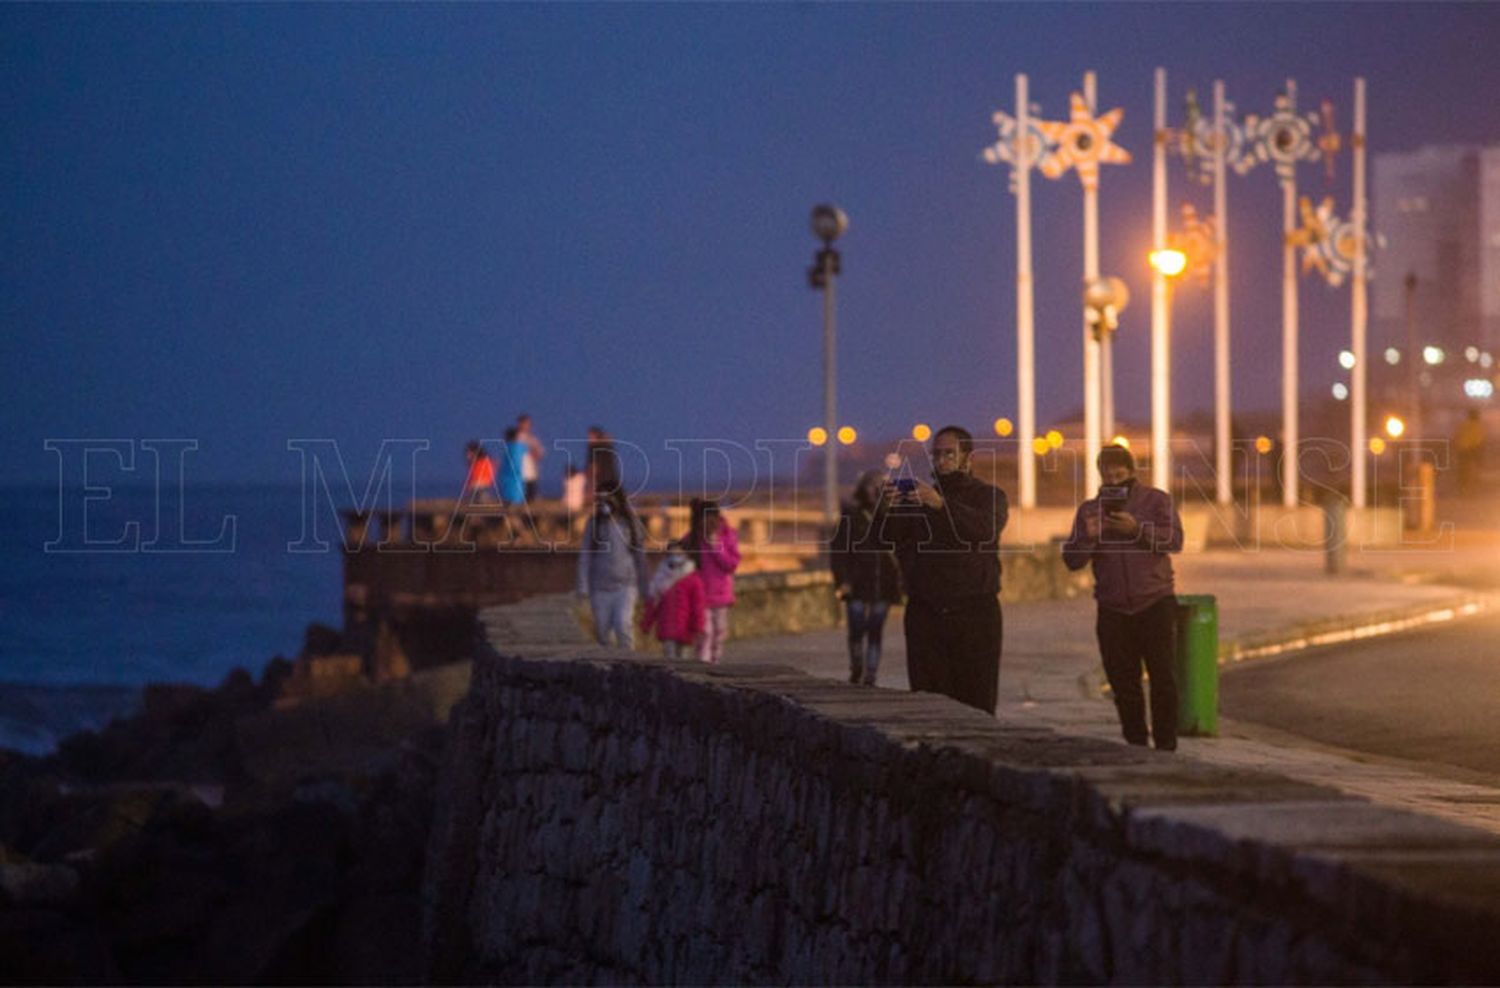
(1112, 499)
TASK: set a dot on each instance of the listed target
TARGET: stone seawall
(603, 818)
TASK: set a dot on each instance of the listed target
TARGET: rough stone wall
(608, 820)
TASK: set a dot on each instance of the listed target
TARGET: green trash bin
(1197, 665)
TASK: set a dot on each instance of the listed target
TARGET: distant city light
(1120, 441)
(1377, 445)
(1479, 387)
(921, 432)
(1003, 427)
(847, 435)
(1485, 360)
(1054, 439)
(1039, 446)
(1394, 426)
(1346, 360)
(1433, 354)
(1471, 354)
(1340, 390)
(1392, 356)
(817, 435)
(1263, 444)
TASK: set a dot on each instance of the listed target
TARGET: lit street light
(1394, 427)
(1003, 427)
(817, 435)
(921, 432)
(828, 224)
(847, 435)
(1433, 355)
(1169, 261)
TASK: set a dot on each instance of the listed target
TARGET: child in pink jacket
(713, 541)
(674, 604)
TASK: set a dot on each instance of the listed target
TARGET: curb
(1353, 627)
(1331, 631)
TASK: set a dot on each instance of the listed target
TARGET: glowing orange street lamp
(1003, 427)
(847, 435)
(817, 435)
(921, 432)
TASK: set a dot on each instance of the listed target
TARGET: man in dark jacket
(1127, 532)
(947, 539)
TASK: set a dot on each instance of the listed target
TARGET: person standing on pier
(532, 458)
(865, 576)
(713, 543)
(479, 484)
(1126, 532)
(612, 567)
(512, 488)
(947, 541)
(674, 604)
(603, 461)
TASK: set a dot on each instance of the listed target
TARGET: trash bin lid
(1196, 600)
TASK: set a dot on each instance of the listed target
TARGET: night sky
(245, 225)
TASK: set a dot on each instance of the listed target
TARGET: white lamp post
(1168, 263)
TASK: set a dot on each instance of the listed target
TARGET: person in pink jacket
(674, 604)
(713, 543)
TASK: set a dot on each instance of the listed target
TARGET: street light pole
(1358, 307)
(1166, 264)
(828, 224)
(1161, 378)
(1414, 376)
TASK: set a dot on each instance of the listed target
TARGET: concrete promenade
(1050, 672)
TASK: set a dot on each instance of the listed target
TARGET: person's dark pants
(1126, 641)
(866, 627)
(954, 649)
(530, 491)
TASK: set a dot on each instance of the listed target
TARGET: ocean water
(84, 625)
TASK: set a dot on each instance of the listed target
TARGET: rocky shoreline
(268, 831)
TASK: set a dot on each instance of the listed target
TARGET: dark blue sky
(245, 225)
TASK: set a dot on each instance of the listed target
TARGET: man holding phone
(1127, 532)
(947, 539)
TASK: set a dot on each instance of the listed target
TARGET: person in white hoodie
(612, 567)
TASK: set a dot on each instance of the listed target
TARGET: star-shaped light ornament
(1083, 143)
(1199, 240)
(1197, 140)
(1328, 243)
(1283, 138)
(1007, 150)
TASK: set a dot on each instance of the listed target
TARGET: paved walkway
(1049, 675)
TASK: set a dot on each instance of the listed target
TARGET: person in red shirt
(675, 603)
(479, 485)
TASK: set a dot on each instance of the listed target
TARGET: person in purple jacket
(1126, 532)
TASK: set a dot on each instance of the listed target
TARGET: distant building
(1439, 210)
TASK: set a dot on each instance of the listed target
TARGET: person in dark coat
(866, 577)
(947, 538)
(1126, 533)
